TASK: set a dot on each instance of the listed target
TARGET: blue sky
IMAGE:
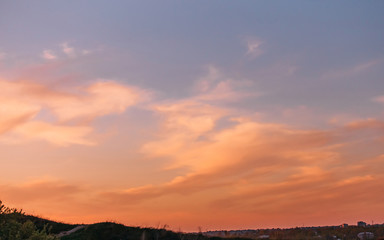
(165, 45)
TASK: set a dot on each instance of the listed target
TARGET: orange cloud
(38, 191)
(15, 113)
(56, 134)
(22, 101)
(264, 168)
(56, 200)
(98, 99)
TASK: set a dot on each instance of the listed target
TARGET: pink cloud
(69, 51)
(365, 124)
(49, 55)
(379, 99)
(254, 47)
(352, 70)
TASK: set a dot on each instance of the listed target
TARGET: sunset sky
(218, 114)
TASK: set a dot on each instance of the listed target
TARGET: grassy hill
(16, 225)
(114, 231)
(106, 231)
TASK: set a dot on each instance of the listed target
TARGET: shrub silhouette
(14, 226)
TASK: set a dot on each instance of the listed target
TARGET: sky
(193, 114)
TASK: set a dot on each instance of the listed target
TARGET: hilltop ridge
(16, 225)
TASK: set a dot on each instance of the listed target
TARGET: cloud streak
(254, 47)
(49, 55)
(73, 109)
(67, 50)
(379, 99)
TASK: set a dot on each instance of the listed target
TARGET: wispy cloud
(352, 70)
(39, 190)
(98, 99)
(369, 123)
(216, 87)
(187, 121)
(49, 55)
(86, 52)
(264, 169)
(63, 50)
(23, 101)
(205, 83)
(68, 50)
(60, 135)
(379, 99)
(254, 47)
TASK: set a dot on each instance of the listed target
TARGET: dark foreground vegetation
(320, 233)
(113, 231)
(16, 225)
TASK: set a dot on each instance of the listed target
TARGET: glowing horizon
(219, 115)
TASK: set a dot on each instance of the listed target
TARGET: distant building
(361, 224)
(365, 235)
(263, 237)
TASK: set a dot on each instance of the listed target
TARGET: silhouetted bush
(14, 227)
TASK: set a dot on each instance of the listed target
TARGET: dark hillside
(16, 225)
(113, 231)
(40, 223)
